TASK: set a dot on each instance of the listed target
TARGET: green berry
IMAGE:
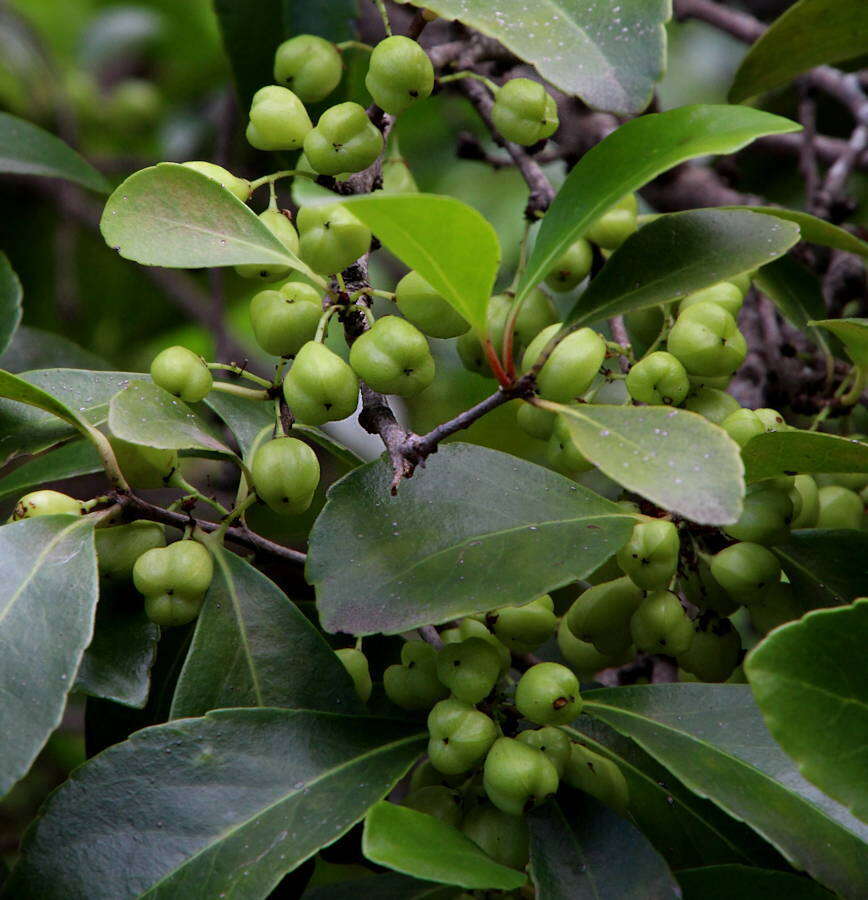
(320, 387)
(469, 348)
(279, 225)
(414, 684)
(724, 294)
(743, 425)
(517, 777)
(331, 238)
(460, 736)
(839, 508)
(742, 282)
(397, 177)
(714, 652)
(278, 120)
(571, 268)
(601, 615)
(808, 502)
(713, 404)
(745, 570)
(134, 106)
(356, 664)
(344, 140)
(524, 628)
(284, 320)
(660, 625)
(765, 517)
(772, 420)
(572, 365)
(583, 657)
(595, 775)
(182, 373)
(644, 325)
(144, 467)
(425, 775)
(426, 309)
(719, 382)
(437, 800)
(285, 475)
(470, 669)
(118, 548)
(535, 421)
(238, 187)
(551, 742)
(612, 228)
(46, 503)
(173, 581)
(776, 606)
(649, 559)
(548, 694)
(562, 453)
(505, 838)
(536, 313)
(468, 628)
(309, 65)
(706, 340)
(393, 357)
(704, 592)
(658, 379)
(524, 112)
(400, 74)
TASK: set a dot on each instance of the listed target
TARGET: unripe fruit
(742, 282)
(460, 736)
(426, 309)
(469, 347)
(536, 422)
(571, 267)
(46, 503)
(715, 650)
(612, 229)
(284, 320)
(548, 694)
(551, 742)
(356, 664)
(393, 357)
(765, 517)
(724, 294)
(706, 339)
(562, 454)
(468, 628)
(400, 74)
(173, 581)
(776, 606)
(808, 512)
(504, 838)
(144, 467)
(414, 684)
(649, 559)
(425, 775)
(133, 106)
(344, 140)
(470, 669)
(660, 625)
(711, 403)
(839, 508)
(572, 365)
(524, 112)
(595, 775)
(772, 420)
(118, 548)
(644, 325)
(330, 238)
(523, 628)
(854, 481)
(658, 379)
(744, 570)
(437, 800)
(182, 373)
(517, 777)
(278, 120)
(584, 658)
(285, 475)
(703, 591)
(743, 425)
(279, 225)
(320, 387)
(719, 382)
(397, 177)
(601, 615)
(536, 313)
(309, 65)
(238, 187)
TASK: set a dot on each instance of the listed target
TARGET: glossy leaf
(809, 33)
(464, 534)
(34, 348)
(797, 452)
(712, 737)
(417, 844)
(632, 156)
(795, 290)
(611, 58)
(680, 253)
(591, 852)
(446, 241)
(388, 886)
(252, 647)
(808, 679)
(853, 333)
(747, 883)
(224, 804)
(10, 301)
(26, 149)
(170, 215)
(78, 457)
(48, 594)
(675, 458)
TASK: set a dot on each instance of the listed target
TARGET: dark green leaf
(854, 334)
(33, 348)
(746, 883)
(78, 457)
(808, 679)
(244, 418)
(252, 647)
(796, 452)
(388, 886)
(48, 594)
(464, 534)
(10, 302)
(331, 445)
(808, 34)
(592, 852)
(417, 844)
(26, 149)
(224, 804)
(795, 290)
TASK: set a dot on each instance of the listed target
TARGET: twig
(808, 148)
(619, 333)
(431, 636)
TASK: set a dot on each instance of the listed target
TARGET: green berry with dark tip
(320, 387)
(414, 683)
(571, 268)
(524, 628)
(278, 120)
(279, 225)
(331, 238)
(182, 373)
(459, 736)
(344, 140)
(309, 65)
(524, 112)
(399, 74)
(548, 694)
(660, 625)
(518, 777)
(470, 669)
(284, 320)
(285, 475)
(649, 559)
(658, 379)
(393, 357)
(420, 304)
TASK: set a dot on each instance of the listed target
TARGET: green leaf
(33, 348)
(854, 334)
(224, 804)
(76, 458)
(10, 301)
(746, 883)
(680, 253)
(339, 451)
(117, 663)
(252, 647)
(388, 886)
(632, 156)
(143, 413)
(675, 458)
(795, 452)
(20, 391)
(808, 34)
(464, 534)
(26, 149)
(48, 594)
(712, 737)
(808, 680)
(446, 241)
(592, 852)
(417, 844)
(611, 58)
(170, 215)
(794, 290)
(826, 568)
